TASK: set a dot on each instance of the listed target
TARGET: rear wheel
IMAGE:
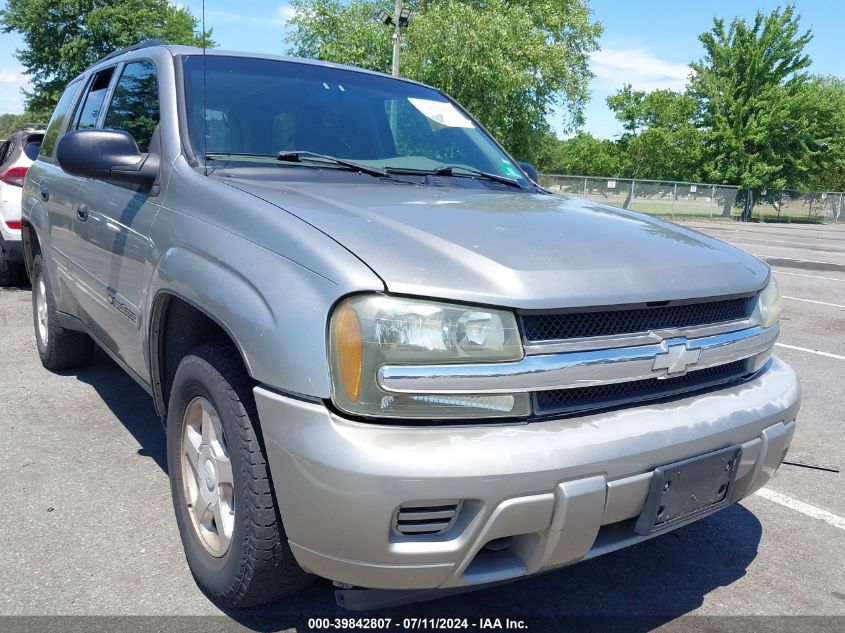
(227, 517)
(58, 348)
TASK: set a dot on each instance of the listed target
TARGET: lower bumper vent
(429, 517)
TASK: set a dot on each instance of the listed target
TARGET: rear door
(55, 193)
(112, 223)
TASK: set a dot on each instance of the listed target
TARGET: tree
(750, 88)
(822, 107)
(63, 37)
(582, 154)
(510, 63)
(661, 141)
(10, 123)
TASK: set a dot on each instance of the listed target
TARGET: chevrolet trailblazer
(384, 355)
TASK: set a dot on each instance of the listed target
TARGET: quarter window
(91, 108)
(135, 107)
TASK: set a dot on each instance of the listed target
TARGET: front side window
(263, 107)
(134, 107)
(92, 105)
(57, 120)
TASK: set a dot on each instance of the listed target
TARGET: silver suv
(383, 354)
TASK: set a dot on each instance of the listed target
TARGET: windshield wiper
(455, 170)
(224, 155)
(300, 156)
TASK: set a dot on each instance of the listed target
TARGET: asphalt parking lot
(87, 524)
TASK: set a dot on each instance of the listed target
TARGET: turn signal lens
(347, 336)
(770, 304)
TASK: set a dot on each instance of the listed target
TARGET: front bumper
(562, 490)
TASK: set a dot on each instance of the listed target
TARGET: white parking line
(780, 271)
(811, 351)
(796, 259)
(804, 508)
(821, 303)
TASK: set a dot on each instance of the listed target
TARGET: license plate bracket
(685, 490)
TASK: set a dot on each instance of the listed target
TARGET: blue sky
(646, 43)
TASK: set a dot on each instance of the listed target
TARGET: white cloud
(285, 12)
(11, 82)
(639, 67)
(279, 19)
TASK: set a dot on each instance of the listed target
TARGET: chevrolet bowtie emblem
(675, 360)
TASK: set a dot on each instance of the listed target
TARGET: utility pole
(397, 35)
(399, 20)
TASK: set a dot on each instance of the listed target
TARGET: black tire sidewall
(196, 378)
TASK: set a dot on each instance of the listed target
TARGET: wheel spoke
(224, 472)
(222, 523)
(209, 431)
(201, 508)
(192, 452)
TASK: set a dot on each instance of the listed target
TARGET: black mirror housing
(529, 169)
(106, 155)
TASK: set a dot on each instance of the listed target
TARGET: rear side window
(31, 146)
(57, 121)
(134, 107)
(92, 106)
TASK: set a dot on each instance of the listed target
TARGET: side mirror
(529, 169)
(106, 155)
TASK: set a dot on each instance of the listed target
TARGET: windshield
(264, 107)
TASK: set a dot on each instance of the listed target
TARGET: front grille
(415, 519)
(566, 325)
(603, 396)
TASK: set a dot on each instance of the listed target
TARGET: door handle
(82, 211)
(45, 193)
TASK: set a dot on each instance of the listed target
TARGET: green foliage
(660, 140)
(10, 123)
(751, 89)
(63, 37)
(582, 155)
(342, 32)
(509, 63)
(752, 117)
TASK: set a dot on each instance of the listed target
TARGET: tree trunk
(727, 205)
(629, 196)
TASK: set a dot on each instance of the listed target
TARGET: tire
(10, 274)
(241, 559)
(58, 348)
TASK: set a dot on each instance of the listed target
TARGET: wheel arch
(30, 243)
(178, 324)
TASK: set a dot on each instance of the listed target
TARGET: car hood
(522, 250)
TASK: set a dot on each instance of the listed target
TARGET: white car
(16, 155)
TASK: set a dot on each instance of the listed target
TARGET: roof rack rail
(128, 49)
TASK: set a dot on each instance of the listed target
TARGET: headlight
(769, 304)
(369, 331)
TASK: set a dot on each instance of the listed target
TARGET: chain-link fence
(679, 200)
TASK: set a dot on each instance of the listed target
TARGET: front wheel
(227, 518)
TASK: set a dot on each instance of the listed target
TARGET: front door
(112, 226)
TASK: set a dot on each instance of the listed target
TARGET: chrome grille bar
(582, 368)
